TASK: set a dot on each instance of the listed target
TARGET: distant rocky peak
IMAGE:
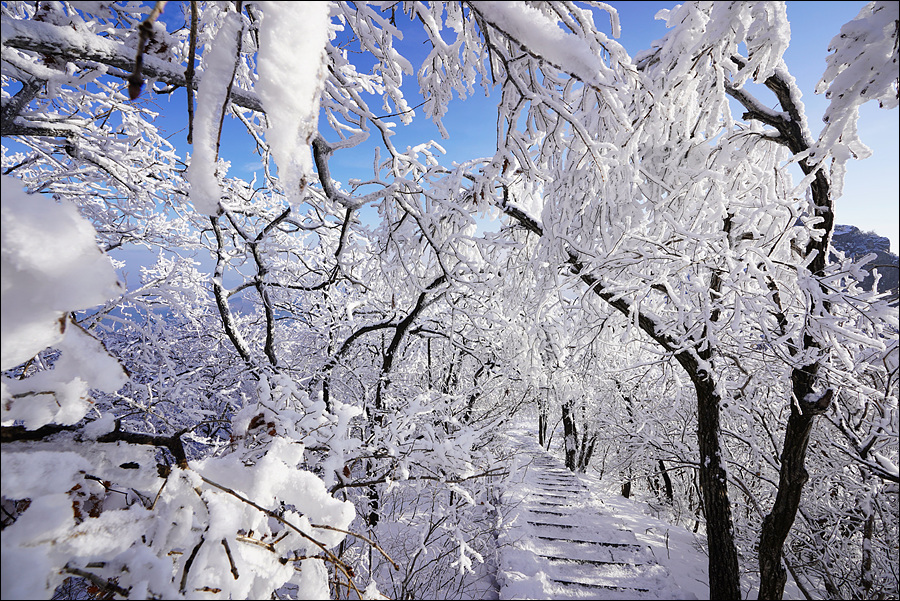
(856, 244)
(852, 241)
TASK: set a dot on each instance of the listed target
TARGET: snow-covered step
(558, 477)
(551, 525)
(592, 590)
(560, 486)
(547, 495)
(591, 552)
(553, 559)
(548, 512)
(613, 577)
(572, 521)
(602, 585)
(563, 541)
(595, 543)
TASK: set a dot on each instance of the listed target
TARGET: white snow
(218, 70)
(568, 536)
(543, 36)
(561, 535)
(51, 265)
(39, 472)
(889, 466)
(862, 67)
(292, 71)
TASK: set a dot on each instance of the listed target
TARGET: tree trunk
(792, 478)
(544, 421)
(570, 431)
(868, 531)
(586, 450)
(542, 428)
(790, 124)
(667, 481)
(724, 576)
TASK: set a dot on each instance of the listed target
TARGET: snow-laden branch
(76, 46)
(541, 37)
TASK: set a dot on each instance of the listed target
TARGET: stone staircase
(560, 541)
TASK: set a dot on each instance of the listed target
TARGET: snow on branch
(541, 37)
(863, 66)
(292, 66)
(51, 266)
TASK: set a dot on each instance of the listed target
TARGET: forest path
(563, 542)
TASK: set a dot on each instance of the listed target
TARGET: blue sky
(871, 197)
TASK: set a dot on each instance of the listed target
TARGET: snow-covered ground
(565, 537)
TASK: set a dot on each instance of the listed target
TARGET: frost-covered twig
(104, 584)
(274, 515)
(145, 32)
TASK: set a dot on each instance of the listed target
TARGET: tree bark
(542, 427)
(387, 360)
(792, 478)
(570, 431)
(724, 578)
(667, 481)
(586, 450)
(806, 404)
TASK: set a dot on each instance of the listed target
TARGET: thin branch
(362, 537)
(234, 570)
(46, 38)
(383, 479)
(145, 30)
(331, 556)
(101, 583)
(222, 298)
(189, 563)
(189, 72)
(171, 443)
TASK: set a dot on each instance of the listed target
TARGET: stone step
(545, 512)
(560, 479)
(555, 483)
(552, 496)
(595, 562)
(551, 525)
(607, 587)
(591, 553)
(593, 542)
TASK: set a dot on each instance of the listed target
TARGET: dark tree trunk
(473, 396)
(373, 498)
(724, 576)
(544, 421)
(570, 431)
(866, 572)
(586, 450)
(792, 478)
(807, 404)
(542, 427)
(667, 481)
